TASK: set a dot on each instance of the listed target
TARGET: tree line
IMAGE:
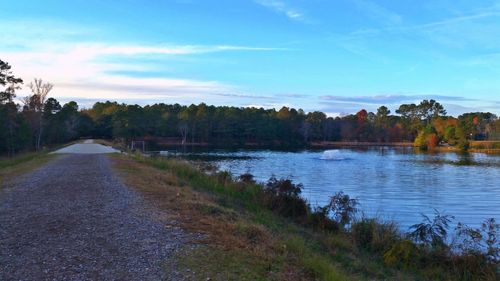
(38, 120)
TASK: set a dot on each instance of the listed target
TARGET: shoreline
(324, 144)
(369, 243)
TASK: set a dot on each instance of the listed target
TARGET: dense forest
(37, 121)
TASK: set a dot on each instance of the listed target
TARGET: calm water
(393, 184)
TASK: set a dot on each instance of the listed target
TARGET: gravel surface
(74, 220)
(88, 147)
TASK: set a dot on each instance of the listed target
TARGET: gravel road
(87, 147)
(73, 219)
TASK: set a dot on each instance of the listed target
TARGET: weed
(431, 232)
(246, 178)
(343, 208)
(402, 254)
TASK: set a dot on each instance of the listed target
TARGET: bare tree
(33, 106)
(183, 129)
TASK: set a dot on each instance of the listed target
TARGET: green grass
(191, 176)
(211, 263)
(23, 163)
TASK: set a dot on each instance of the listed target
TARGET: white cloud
(78, 72)
(282, 8)
(276, 106)
(82, 68)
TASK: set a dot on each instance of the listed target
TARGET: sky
(335, 56)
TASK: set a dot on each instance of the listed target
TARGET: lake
(390, 183)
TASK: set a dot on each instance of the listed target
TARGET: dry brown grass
(226, 232)
(195, 211)
(242, 240)
(490, 147)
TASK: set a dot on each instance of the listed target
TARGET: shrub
(246, 178)
(319, 219)
(362, 233)
(482, 241)
(343, 208)
(473, 266)
(385, 235)
(420, 140)
(478, 256)
(402, 254)
(372, 235)
(491, 229)
(433, 232)
(463, 144)
(283, 197)
(283, 187)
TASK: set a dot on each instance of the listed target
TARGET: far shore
(324, 144)
(488, 147)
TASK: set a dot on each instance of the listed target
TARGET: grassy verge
(244, 240)
(12, 167)
(490, 147)
(114, 144)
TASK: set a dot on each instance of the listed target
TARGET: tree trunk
(39, 137)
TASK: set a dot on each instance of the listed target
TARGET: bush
(283, 197)
(343, 208)
(374, 236)
(362, 233)
(319, 219)
(482, 241)
(463, 144)
(402, 254)
(420, 140)
(431, 232)
(385, 235)
(246, 178)
(473, 266)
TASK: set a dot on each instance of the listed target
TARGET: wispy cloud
(473, 31)
(455, 105)
(452, 25)
(376, 11)
(80, 70)
(171, 50)
(283, 8)
(391, 99)
(86, 69)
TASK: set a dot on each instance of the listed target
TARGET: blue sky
(334, 56)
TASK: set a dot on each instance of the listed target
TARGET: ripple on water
(389, 182)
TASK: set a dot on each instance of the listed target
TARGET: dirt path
(74, 220)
